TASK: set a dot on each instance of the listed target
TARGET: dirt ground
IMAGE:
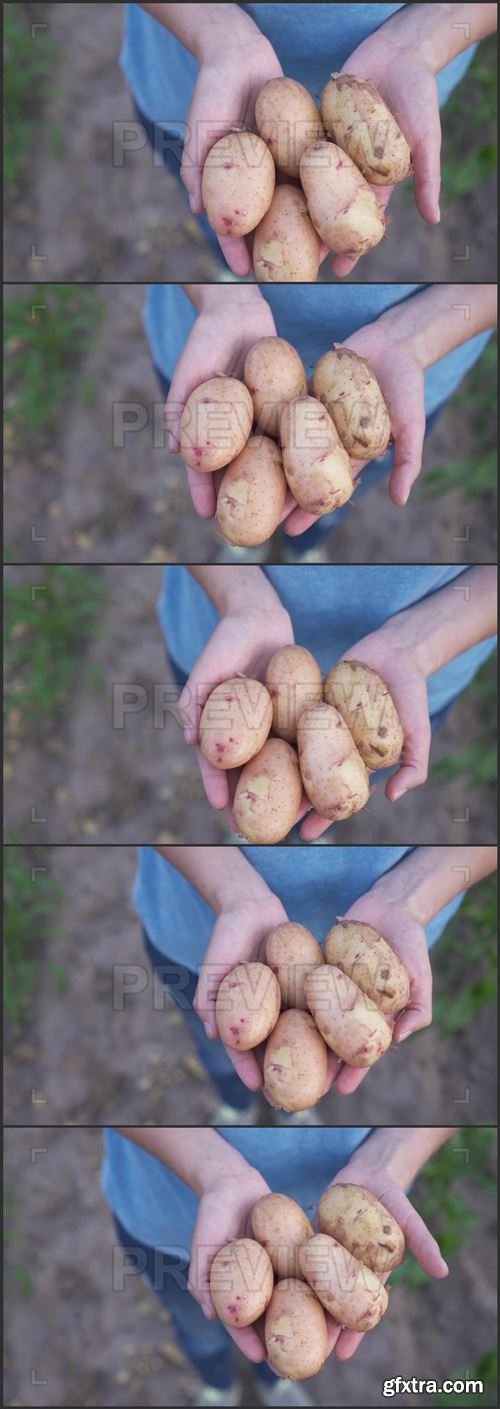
(77, 497)
(79, 779)
(71, 1340)
(77, 1058)
(83, 218)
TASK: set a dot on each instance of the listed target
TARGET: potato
(268, 794)
(357, 119)
(294, 681)
(295, 1331)
(349, 1022)
(215, 423)
(274, 374)
(295, 1062)
(370, 962)
(235, 721)
(292, 952)
(288, 120)
(248, 1006)
(252, 494)
(342, 206)
(237, 183)
(281, 1226)
(241, 1282)
(286, 247)
(346, 385)
(349, 1291)
(363, 699)
(362, 1224)
(333, 773)
(316, 465)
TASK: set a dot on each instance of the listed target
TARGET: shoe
(308, 1117)
(282, 1393)
(230, 1115)
(228, 554)
(210, 1396)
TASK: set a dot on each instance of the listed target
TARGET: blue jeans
(205, 1343)
(181, 985)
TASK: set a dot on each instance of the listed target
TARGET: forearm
(440, 318)
(233, 298)
(448, 622)
(206, 30)
(222, 876)
(438, 32)
(431, 876)
(199, 1157)
(237, 589)
(399, 1152)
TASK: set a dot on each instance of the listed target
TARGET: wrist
(226, 35)
(227, 1169)
(253, 899)
(223, 299)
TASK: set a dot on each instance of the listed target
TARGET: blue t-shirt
(316, 317)
(332, 607)
(309, 40)
(160, 1210)
(315, 885)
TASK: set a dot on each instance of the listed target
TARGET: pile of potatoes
(294, 1275)
(269, 435)
(296, 732)
(335, 154)
(303, 1000)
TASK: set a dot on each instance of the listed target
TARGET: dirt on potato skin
(74, 1340)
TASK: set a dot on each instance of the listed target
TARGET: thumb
(427, 161)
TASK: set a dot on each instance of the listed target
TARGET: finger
(427, 165)
(334, 1066)
(249, 1343)
(349, 1079)
(202, 490)
(409, 442)
(194, 695)
(298, 522)
(314, 826)
(415, 757)
(423, 1245)
(332, 1332)
(347, 1344)
(416, 1016)
(247, 1068)
(214, 782)
(289, 506)
(236, 254)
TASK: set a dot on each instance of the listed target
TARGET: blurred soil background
(89, 1042)
(72, 214)
(89, 478)
(80, 1343)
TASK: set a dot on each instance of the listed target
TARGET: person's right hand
(231, 320)
(242, 644)
(224, 1213)
(230, 79)
(239, 936)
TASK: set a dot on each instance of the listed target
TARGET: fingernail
(207, 1311)
(193, 204)
(172, 441)
(209, 1029)
(402, 1038)
(398, 793)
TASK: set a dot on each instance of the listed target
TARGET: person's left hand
(407, 937)
(401, 382)
(404, 76)
(418, 1239)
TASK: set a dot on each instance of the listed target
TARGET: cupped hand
(418, 1239)
(407, 937)
(226, 90)
(242, 643)
(401, 382)
(218, 342)
(239, 936)
(224, 1213)
(404, 77)
(407, 684)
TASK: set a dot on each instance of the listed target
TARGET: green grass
(440, 1196)
(465, 972)
(29, 62)
(469, 121)
(45, 635)
(43, 351)
(475, 474)
(485, 1370)
(30, 907)
(478, 762)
